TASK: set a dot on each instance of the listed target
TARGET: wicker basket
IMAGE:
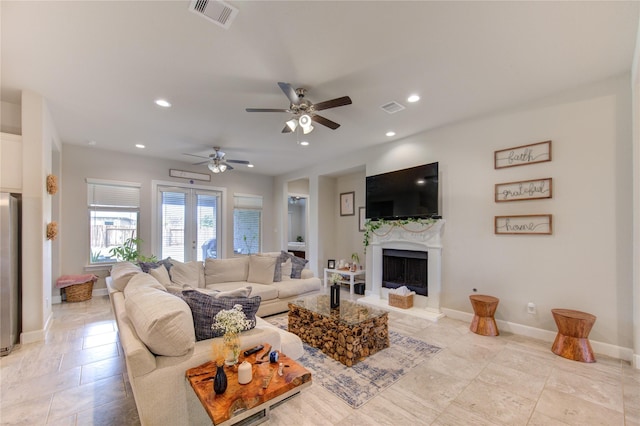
(398, 301)
(79, 292)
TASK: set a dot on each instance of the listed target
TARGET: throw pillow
(238, 292)
(297, 264)
(162, 275)
(218, 271)
(277, 274)
(261, 269)
(121, 273)
(185, 273)
(286, 269)
(162, 321)
(146, 266)
(205, 307)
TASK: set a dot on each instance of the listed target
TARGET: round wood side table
(484, 307)
(572, 340)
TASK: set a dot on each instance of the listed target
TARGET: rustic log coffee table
(347, 334)
(250, 403)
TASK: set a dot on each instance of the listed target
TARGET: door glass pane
(206, 226)
(173, 221)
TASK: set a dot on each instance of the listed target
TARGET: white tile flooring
(77, 377)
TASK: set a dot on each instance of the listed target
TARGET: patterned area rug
(358, 384)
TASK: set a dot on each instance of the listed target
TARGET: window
(247, 224)
(114, 209)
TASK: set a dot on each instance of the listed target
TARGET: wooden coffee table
(252, 402)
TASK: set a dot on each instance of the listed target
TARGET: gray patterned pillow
(145, 266)
(297, 264)
(204, 308)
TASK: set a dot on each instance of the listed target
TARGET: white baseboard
(36, 335)
(607, 349)
(95, 292)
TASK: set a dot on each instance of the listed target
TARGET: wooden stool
(483, 322)
(573, 331)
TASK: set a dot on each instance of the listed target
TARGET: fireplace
(405, 268)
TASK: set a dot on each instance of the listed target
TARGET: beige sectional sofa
(156, 328)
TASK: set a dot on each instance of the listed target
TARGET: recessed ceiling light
(390, 133)
(249, 165)
(304, 143)
(163, 103)
(91, 143)
(139, 145)
(413, 98)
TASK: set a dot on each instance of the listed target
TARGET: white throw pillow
(185, 273)
(122, 272)
(261, 269)
(162, 275)
(142, 280)
(161, 320)
(286, 270)
(218, 271)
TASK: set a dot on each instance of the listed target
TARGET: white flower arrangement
(335, 277)
(231, 320)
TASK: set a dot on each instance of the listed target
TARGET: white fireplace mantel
(411, 236)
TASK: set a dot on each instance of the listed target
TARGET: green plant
(355, 257)
(370, 226)
(299, 239)
(128, 252)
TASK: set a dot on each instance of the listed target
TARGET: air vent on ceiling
(216, 11)
(392, 107)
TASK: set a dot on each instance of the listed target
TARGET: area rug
(358, 384)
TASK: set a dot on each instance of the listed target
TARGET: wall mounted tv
(411, 192)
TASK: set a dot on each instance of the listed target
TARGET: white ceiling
(100, 65)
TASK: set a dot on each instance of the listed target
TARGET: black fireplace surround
(405, 268)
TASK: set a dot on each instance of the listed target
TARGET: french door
(189, 223)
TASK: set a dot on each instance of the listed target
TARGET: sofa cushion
(261, 269)
(162, 321)
(226, 270)
(147, 266)
(296, 287)
(185, 273)
(204, 308)
(141, 280)
(265, 291)
(122, 272)
(162, 275)
(238, 292)
(297, 264)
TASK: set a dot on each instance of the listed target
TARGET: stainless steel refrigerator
(9, 272)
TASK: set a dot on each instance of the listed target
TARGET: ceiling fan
(303, 110)
(217, 163)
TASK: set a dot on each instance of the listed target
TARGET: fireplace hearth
(405, 268)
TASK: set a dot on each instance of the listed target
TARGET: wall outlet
(531, 308)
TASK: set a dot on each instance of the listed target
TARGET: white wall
(80, 163)
(347, 226)
(586, 264)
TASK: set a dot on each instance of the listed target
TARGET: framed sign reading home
(524, 190)
(524, 224)
(523, 155)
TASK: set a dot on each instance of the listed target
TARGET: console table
(356, 277)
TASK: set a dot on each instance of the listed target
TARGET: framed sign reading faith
(524, 190)
(524, 224)
(522, 155)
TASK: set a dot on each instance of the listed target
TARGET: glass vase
(220, 380)
(232, 348)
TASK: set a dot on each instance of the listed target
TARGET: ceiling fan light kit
(217, 162)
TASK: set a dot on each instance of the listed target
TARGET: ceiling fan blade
(286, 129)
(194, 155)
(200, 163)
(325, 121)
(227, 164)
(267, 110)
(333, 103)
(290, 92)
(238, 161)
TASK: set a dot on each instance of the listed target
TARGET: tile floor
(77, 377)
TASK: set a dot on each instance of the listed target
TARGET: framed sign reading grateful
(524, 224)
(522, 155)
(524, 190)
(346, 204)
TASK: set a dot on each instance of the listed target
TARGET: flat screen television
(405, 193)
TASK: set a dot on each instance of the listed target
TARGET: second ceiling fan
(304, 111)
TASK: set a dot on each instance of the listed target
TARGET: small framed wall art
(331, 264)
(346, 204)
(524, 190)
(361, 219)
(541, 224)
(522, 155)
